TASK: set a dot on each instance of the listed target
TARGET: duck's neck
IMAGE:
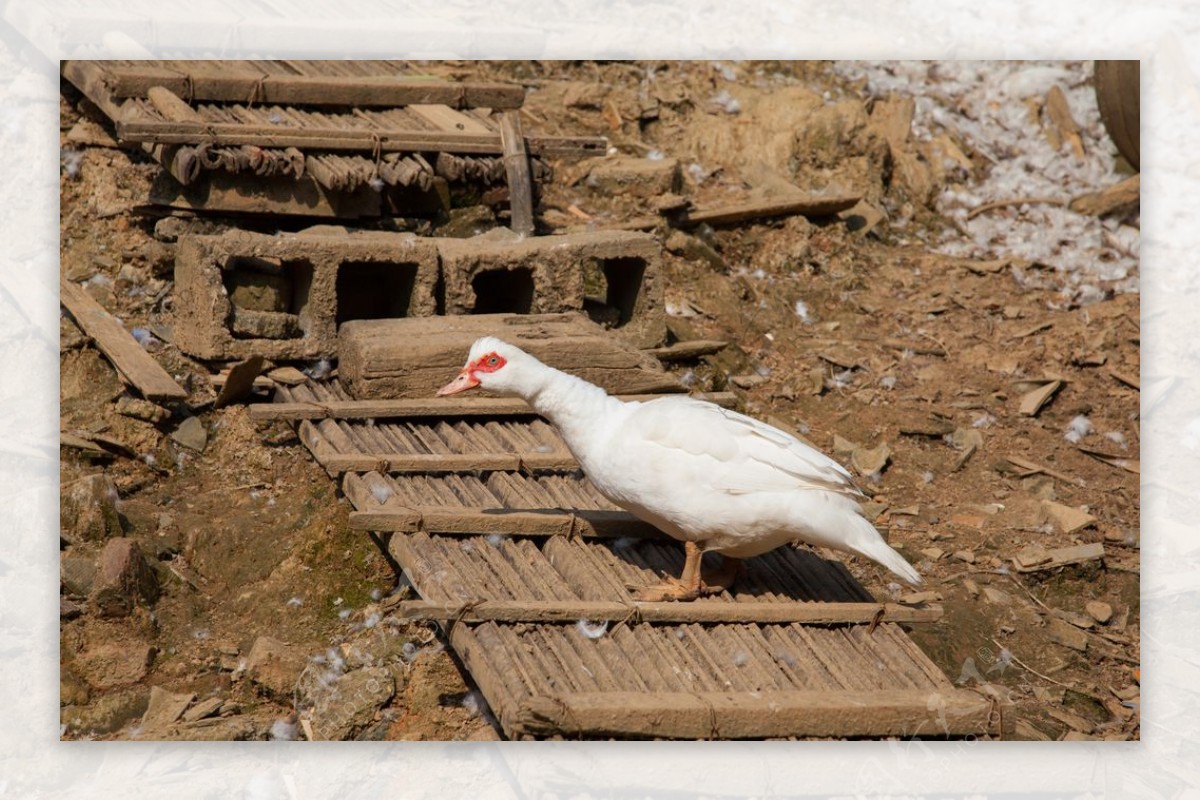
(573, 405)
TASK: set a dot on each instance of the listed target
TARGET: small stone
(1100, 611)
(77, 575)
(125, 579)
(140, 409)
(965, 556)
(191, 434)
(288, 376)
(164, 708)
(921, 597)
(1065, 634)
(1067, 519)
(344, 709)
(933, 554)
(996, 596)
(1128, 693)
(204, 709)
(115, 664)
(971, 587)
(108, 714)
(275, 666)
(748, 381)
(1032, 556)
(634, 177)
(88, 509)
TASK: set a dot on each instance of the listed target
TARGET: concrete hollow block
(284, 297)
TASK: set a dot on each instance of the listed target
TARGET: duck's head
(496, 366)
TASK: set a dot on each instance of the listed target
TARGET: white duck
(715, 479)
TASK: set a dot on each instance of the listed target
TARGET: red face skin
(467, 378)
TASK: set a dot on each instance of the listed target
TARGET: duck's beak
(464, 382)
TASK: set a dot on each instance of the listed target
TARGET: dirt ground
(906, 362)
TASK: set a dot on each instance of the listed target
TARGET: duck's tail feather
(872, 545)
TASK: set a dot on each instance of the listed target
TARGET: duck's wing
(740, 454)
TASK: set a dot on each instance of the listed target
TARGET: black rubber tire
(1118, 93)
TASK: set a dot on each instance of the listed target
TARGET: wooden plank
(448, 119)
(360, 462)
(809, 205)
(1060, 557)
(89, 78)
(254, 194)
(168, 104)
(781, 713)
(137, 367)
(516, 167)
(450, 408)
(667, 612)
(516, 523)
(206, 82)
(361, 139)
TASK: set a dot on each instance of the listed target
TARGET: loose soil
(852, 334)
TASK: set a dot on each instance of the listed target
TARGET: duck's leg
(685, 588)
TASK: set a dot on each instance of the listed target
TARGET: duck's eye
(493, 361)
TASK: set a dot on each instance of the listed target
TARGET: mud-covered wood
(414, 357)
(215, 82)
(137, 367)
(516, 166)
(807, 204)
(512, 523)
(450, 407)
(166, 132)
(666, 612)
(726, 715)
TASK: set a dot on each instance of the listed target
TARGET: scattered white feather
(409, 651)
(1078, 428)
(283, 729)
(345, 613)
(1118, 438)
(72, 162)
(495, 540)
(593, 630)
(381, 492)
(295, 600)
(740, 658)
(655, 155)
(319, 369)
(983, 421)
(803, 313)
(726, 102)
(376, 184)
(927, 476)
(888, 382)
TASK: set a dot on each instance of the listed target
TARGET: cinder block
(284, 297)
(625, 175)
(612, 275)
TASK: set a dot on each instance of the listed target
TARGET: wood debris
(137, 367)
(1033, 401)
(1035, 558)
(1119, 197)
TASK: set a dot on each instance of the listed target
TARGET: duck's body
(712, 478)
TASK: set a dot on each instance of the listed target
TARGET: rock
(159, 258)
(585, 95)
(69, 335)
(695, 249)
(77, 575)
(994, 595)
(748, 381)
(191, 434)
(72, 689)
(233, 728)
(1100, 611)
(965, 556)
(862, 218)
(111, 665)
(971, 587)
(625, 175)
(1065, 634)
(1067, 519)
(204, 709)
(348, 706)
(275, 667)
(165, 708)
(68, 609)
(140, 409)
(871, 461)
(1031, 556)
(88, 509)
(125, 579)
(932, 554)
(288, 376)
(107, 714)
